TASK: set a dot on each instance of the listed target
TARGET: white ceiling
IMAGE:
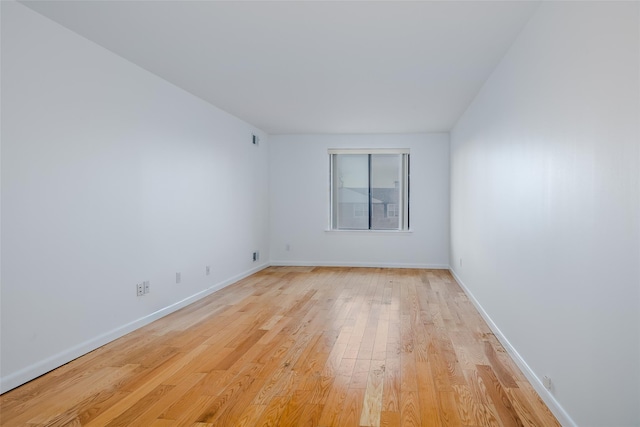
(312, 67)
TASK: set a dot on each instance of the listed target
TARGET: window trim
(368, 151)
(403, 204)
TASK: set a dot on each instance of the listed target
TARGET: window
(369, 189)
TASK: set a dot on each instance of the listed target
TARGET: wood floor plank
(498, 367)
(296, 408)
(449, 409)
(486, 414)
(337, 394)
(391, 386)
(230, 394)
(351, 408)
(147, 415)
(372, 406)
(501, 401)
(272, 413)
(297, 346)
(428, 394)
(251, 415)
(69, 397)
(409, 408)
(536, 404)
(521, 405)
(390, 419)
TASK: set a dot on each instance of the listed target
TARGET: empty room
(320, 213)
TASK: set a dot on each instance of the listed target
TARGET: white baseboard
(548, 398)
(357, 264)
(28, 373)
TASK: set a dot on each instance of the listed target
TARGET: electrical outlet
(207, 270)
(139, 289)
(178, 277)
(147, 286)
(546, 381)
(256, 256)
(287, 247)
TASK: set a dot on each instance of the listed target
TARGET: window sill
(369, 231)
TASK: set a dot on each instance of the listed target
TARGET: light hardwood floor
(297, 347)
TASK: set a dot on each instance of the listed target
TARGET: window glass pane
(385, 191)
(351, 191)
(369, 190)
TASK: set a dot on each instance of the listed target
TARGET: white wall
(111, 176)
(299, 196)
(545, 205)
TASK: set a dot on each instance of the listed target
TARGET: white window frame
(392, 208)
(403, 203)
